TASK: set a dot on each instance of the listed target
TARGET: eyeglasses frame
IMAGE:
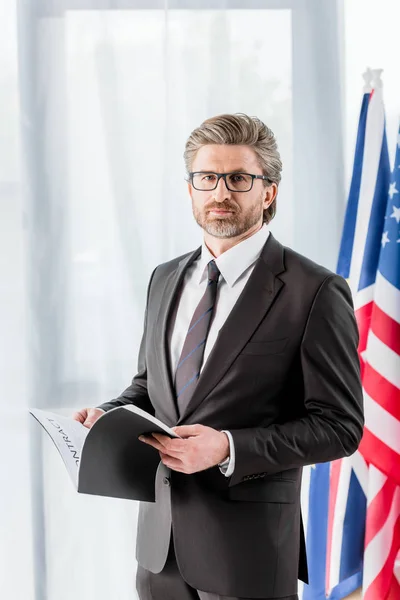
(224, 175)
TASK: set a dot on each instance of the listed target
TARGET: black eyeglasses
(205, 181)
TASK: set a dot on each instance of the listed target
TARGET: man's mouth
(220, 211)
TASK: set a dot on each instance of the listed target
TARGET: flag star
(396, 213)
(385, 239)
(392, 190)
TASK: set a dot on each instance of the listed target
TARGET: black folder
(108, 459)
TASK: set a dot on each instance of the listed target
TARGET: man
(250, 351)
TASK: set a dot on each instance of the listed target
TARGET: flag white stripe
(305, 494)
(364, 296)
(375, 484)
(387, 297)
(360, 468)
(338, 520)
(383, 359)
(305, 500)
(372, 152)
(380, 545)
(382, 424)
(397, 568)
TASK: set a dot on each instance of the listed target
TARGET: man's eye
(208, 177)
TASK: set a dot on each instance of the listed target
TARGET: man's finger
(169, 444)
(163, 439)
(173, 463)
(187, 430)
(150, 441)
(160, 447)
(78, 416)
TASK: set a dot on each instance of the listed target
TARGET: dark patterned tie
(190, 361)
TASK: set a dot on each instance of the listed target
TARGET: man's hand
(88, 416)
(202, 448)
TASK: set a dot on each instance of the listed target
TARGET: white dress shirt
(235, 266)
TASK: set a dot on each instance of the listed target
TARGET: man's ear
(271, 193)
(189, 188)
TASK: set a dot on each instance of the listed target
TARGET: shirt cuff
(227, 466)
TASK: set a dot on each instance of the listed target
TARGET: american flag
(380, 445)
(334, 495)
(368, 217)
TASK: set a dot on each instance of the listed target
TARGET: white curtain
(97, 100)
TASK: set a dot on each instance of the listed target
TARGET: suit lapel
(168, 301)
(251, 307)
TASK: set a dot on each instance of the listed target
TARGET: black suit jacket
(284, 378)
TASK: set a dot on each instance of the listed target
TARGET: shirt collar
(234, 262)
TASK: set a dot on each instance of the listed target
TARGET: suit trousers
(170, 585)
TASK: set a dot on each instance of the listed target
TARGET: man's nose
(221, 192)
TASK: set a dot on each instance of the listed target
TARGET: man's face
(220, 212)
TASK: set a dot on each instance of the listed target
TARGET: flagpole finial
(376, 78)
(367, 76)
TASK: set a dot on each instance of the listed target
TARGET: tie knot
(213, 271)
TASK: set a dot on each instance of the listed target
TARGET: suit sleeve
(136, 393)
(333, 425)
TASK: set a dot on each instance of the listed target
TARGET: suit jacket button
(167, 481)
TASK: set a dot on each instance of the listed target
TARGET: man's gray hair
(239, 129)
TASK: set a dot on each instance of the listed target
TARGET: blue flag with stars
(389, 263)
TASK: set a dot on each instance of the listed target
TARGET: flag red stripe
(394, 592)
(381, 586)
(363, 317)
(378, 510)
(386, 329)
(379, 454)
(382, 391)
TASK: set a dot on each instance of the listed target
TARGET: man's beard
(228, 227)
